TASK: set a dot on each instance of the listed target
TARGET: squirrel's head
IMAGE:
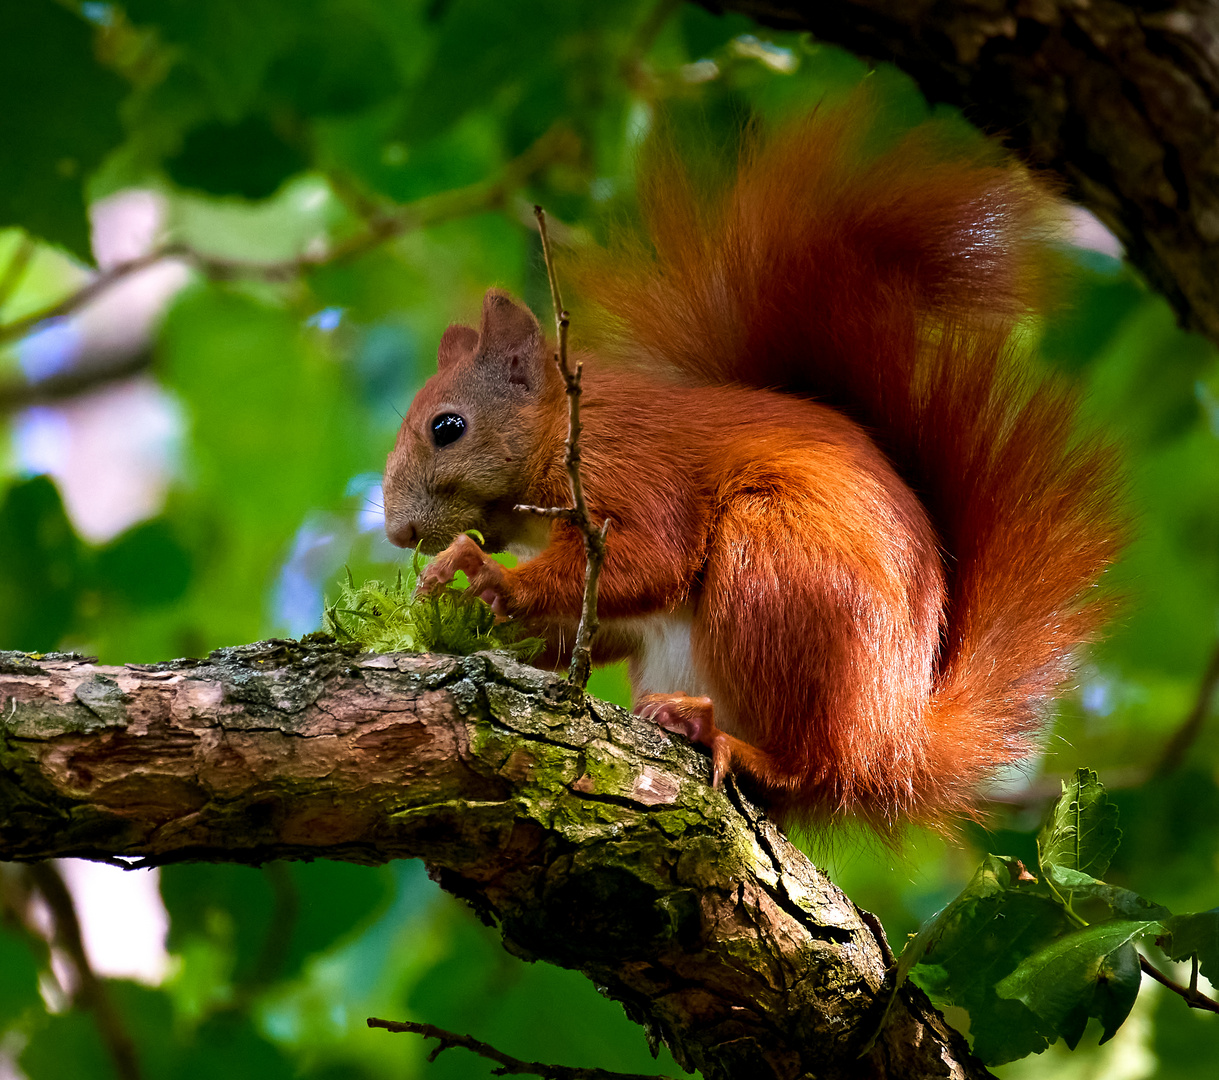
(478, 434)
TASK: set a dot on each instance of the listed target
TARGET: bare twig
(1183, 738)
(380, 227)
(508, 1065)
(577, 514)
(92, 990)
(1192, 996)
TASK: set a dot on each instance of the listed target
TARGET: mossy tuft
(384, 617)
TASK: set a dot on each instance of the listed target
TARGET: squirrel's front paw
(485, 575)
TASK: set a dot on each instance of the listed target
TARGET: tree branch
(380, 227)
(20, 393)
(90, 988)
(1117, 98)
(1183, 738)
(590, 837)
(1191, 995)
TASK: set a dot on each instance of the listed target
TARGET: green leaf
(58, 119)
(228, 1045)
(499, 35)
(334, 899)
(390, 618)
(1082, 832)
(270, 921)
(1072, 885)
(978, 939)
(275, 434)
(230, 906)
(18, 980)
(66, 1046)
(339, 63)
(249, 158)
(40, 567)
(703, 32)
(229, 43)
(147, 566)
(1091, 972)
(1195, 934)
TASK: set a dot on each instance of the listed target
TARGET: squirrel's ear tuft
(457, 343)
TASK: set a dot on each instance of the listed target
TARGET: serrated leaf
(1002, 916)
(1073, 885)
(1091, 972)
(1195, 933)
(390, 618)
(1082, 832)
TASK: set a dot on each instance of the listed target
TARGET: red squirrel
(855, 544)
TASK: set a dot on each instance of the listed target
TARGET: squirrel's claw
(692, 717)
(485, 575)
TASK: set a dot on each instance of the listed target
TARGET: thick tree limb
(589, 836)
(1120, 99)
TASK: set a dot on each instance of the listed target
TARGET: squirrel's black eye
(447, 428)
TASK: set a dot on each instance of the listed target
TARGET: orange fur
(880, 588)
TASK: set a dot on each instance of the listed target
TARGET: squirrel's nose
(405, 534)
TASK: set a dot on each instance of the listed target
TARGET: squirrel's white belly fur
(665, 661)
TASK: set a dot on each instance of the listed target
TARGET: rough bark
(588, 836)
(1120, 99)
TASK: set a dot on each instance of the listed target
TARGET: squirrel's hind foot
(693, 717)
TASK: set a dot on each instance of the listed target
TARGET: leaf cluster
(1031, 957)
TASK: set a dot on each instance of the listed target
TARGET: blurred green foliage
(277, 129)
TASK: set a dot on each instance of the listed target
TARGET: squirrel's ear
(456, 343)
(510, 333)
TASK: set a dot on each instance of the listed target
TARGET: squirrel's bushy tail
(892, 285)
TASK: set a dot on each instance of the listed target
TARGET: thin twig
(1183, 738)
(1194, 998)
(92, 990)
(508, 1065)
(555, 144)
(577, 514)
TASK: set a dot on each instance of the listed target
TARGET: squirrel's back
(892, 286)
